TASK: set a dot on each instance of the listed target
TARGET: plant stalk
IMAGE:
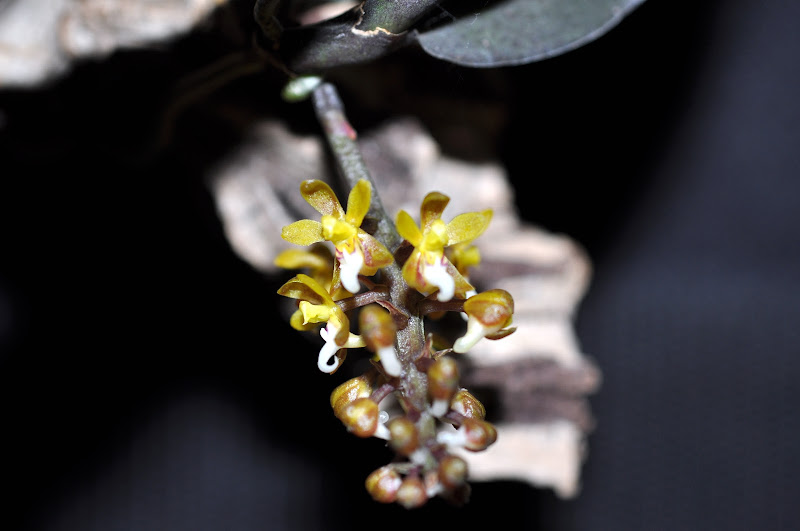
(342, 140)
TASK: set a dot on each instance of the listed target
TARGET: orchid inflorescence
(410, 395)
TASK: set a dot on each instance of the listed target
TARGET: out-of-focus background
(149, 382)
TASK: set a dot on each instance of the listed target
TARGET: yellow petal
(320, 196)
(358, 202)
(375, 254)
(337, 290)
(432, 207)
(354, 341)
(314, 313)
(305, 288)
(298, 258)
(464, 256)
(462, 286)
(467, 227)
(340, 320)
(303, 232)
(407, 228)
(412, 274)
(297, 322)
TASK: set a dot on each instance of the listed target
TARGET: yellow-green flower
(427, 268)
(356, 251)
(317, 306)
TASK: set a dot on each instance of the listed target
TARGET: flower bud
(412, 493)
(466, 404)
(473, 434)
(403, 435)
(349, 391)
(379, 332)
(487, 312)
(452, 471)
(442, 384)
(376, 326)
(361, 417)
(443, 378)
(383, 484)
(478, 434)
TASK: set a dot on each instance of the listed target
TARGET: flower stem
(342, 140)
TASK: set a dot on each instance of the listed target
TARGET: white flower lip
(475, 332)
(328, 350)
(437, 275)
(351, 264)
(389, 361)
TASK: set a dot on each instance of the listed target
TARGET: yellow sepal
(432, 207)
(303, 232)
(407, 228)
(358, 202)
(320, 196)
(467, 227)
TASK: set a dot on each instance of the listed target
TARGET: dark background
(146, 380)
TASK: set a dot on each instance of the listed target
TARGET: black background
(147, 381)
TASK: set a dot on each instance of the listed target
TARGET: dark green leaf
(515, 32)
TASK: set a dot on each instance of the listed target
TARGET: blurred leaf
(515, 32)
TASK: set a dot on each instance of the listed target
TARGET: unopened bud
(452, 471)
(383, 484)
(403, 435)
(442, 384)
(412, 493)
(478, 434)
(488, 312)
(473, 434)
(379, 332)
(376, 326)
(466, 404)
(347, 392)
(361, 417)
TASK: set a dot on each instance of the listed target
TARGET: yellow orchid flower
(317, 306)
(356, 251)
(427, 268)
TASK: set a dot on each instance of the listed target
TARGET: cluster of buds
(411, 395)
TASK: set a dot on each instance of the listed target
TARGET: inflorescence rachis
(410, 395)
